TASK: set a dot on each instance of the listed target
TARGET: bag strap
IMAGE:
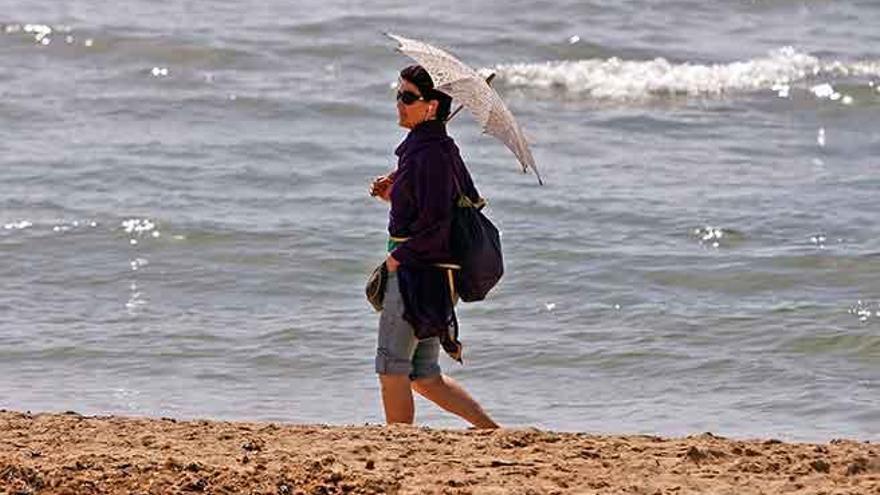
(458, 188)
(463, 200)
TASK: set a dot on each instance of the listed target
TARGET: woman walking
(418, 315)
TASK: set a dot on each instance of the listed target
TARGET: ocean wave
(614, 78)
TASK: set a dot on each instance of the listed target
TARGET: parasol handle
(458, 109)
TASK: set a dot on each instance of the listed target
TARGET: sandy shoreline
(73, 454)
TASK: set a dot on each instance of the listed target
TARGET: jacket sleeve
(432, 187)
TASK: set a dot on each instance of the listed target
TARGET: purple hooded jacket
(429, 173)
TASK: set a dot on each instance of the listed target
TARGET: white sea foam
(862, 310)
(614, 78)
(825, 90)
(709, 235)
(21, 225)
(137, 263)
(138, 226)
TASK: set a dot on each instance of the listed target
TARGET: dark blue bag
(476, 246)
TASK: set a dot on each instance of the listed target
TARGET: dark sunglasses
(408, 97)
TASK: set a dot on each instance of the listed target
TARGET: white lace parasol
(464, 84)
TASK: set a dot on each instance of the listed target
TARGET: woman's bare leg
(397, 399)
(448, 394)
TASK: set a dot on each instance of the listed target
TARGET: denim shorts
(399, 352)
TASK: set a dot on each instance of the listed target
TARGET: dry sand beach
(74, 454)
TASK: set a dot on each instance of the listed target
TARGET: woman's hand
(381, 187)
(391, 263)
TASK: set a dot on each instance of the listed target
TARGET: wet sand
(73, 454)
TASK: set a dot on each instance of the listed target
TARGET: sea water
(185, 228)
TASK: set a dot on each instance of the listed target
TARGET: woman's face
(417, 110)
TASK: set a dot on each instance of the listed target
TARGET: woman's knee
(427, 383)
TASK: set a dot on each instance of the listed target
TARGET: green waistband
(393, 242)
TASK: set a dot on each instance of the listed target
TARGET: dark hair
(417, 75)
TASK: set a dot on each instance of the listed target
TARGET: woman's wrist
(391, 263)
